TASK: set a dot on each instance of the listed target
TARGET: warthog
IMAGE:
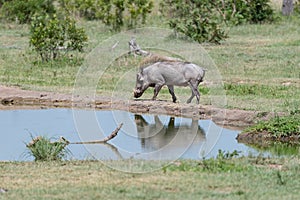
(170, 73)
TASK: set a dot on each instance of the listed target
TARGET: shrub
(205, 20)
(42, 149)
(198, 20)
(80, 8)
(259, 11)
(283, 126)
(50, 35)
(23, 10)
(241, 11)
(114, 13)
(138, 10)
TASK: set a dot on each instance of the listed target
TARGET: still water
(141, 136)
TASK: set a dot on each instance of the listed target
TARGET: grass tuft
(42, 149)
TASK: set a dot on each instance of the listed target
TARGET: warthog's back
(173, 73)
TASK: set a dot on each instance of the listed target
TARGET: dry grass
(183, 180)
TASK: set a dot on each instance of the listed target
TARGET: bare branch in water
(105, 140)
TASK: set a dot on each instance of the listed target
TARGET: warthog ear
(140, 76)
(141, 70)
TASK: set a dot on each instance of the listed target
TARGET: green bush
(241, 11)
(23, 10)
(138, 10)
(113, 13)
(81, 8)
(259, 11)
(206, 20)
(51, 35)
(198, 20)
(278, 126)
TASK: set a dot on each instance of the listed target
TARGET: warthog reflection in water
(156, 136)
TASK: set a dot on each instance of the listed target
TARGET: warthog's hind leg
(195, 92)
(191, 98)
(171, 90)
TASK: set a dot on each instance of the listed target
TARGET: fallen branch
(150, 58)
(105, 140)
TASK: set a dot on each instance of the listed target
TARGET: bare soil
(16, 98)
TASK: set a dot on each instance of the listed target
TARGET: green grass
(279, 126)
(241, 178)
(259, 65)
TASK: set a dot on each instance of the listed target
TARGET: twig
(105, 140)
(115, 45)
(233, 9)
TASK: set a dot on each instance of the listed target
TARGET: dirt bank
(16, 98)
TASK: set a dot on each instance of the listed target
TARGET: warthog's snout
(137, 93)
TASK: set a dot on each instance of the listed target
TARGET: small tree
(205, 20)
(198, 20)
(50, 35)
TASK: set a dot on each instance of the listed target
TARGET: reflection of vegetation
(279, 148)
(44, 150)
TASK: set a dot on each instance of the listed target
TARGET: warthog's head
(139, 87)
(137, 93)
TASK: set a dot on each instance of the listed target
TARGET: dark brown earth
(16, 98)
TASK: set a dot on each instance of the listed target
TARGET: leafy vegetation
(113, 13)
(256, 11)
(279, 126)
(197, 20)
(205, 20)
(42, 149)
(23, 10)
(50, 35)
(250, 61)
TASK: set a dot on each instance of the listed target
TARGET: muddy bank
(16, 98)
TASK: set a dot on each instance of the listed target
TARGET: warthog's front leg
(156, 91)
